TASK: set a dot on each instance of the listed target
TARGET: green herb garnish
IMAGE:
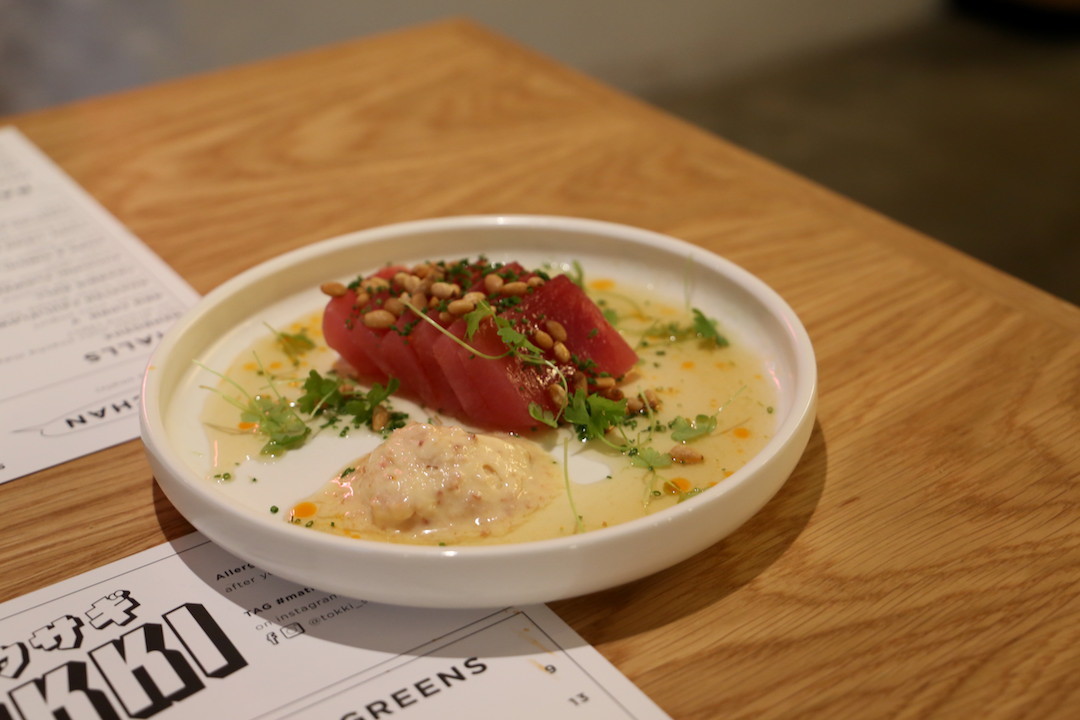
(684, 430)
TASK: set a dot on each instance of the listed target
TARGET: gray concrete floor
(963, 129)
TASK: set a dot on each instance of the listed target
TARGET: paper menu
(82, 304)
(186, 630)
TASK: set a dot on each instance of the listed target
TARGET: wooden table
(924, 558)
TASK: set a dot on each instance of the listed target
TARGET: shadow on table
(710, 575)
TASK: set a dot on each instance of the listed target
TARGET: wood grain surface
(924, 558)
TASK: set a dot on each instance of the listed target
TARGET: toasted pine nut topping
(542, 340)
(418, 300)
(652, 399)
(362, 299)
(492, 283)
(394, 305)
(612, 393)
(460, 307)
(379, 319)
(375, 284)
(604, 382)
(475, 296)
(634, 405)
(444, 317)
(562, 353)
(556, 329)
(411, 283)
(399, 278)
(685, 455)
(379, 417)
(514, 288)
(445, 290)
(558, 395)
(535, 281)
(581, 382)
(333, 289)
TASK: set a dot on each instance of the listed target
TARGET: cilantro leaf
(650, 459)
(537, 412)
(293, 344)
(275, 418)
(592, 415)
(475, 317)
(684, 430)
(577, 274)
(705, 327)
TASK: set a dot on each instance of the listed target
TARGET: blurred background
(960, 118)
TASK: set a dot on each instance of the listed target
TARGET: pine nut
(558, 395)
(460, 307)
(445, 290)
(492, 283)
(562, 354)
(685, 455)
(419, 300)
(612, 393)
(379, 319)
(556, 329)
(634, 405)
(535, 281)
(333, 289)
(375, 284)
(475, 296)
(604, 382)
(379, 417)
(542, 340)
(515, 288)
(652, 399)
(395, 306)
(362, 299)
(411, 283)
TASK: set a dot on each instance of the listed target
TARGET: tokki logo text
(137, 675)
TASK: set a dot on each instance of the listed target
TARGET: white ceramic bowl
(472, 576)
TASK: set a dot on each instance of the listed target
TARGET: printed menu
(186, 630)
(83, 303)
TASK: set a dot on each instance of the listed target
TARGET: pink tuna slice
(493, 394)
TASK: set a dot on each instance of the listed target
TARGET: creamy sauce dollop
(436, 483)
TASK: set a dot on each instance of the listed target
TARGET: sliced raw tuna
(345, 333)
(446, 369)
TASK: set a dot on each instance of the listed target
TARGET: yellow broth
(690, 376)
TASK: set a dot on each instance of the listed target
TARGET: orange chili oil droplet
(741, 432)
(681, 484)
(688, 365)
(602, 284)
(247, 425)
(304, 509)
